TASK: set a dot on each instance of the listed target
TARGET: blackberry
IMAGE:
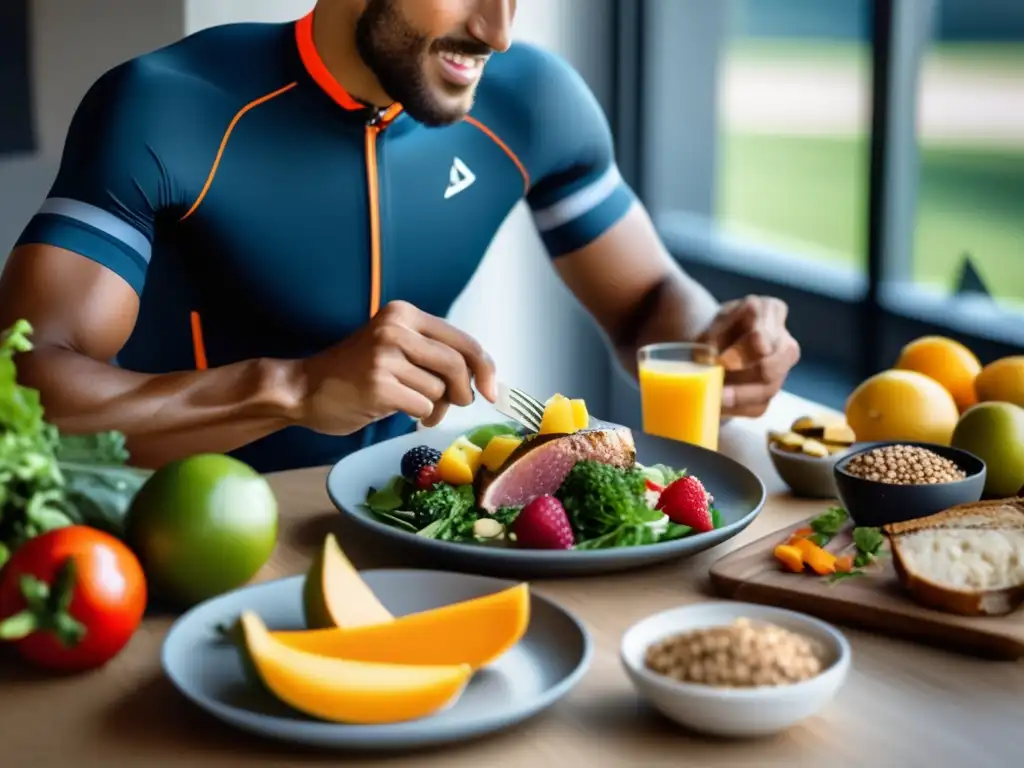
(418, 458)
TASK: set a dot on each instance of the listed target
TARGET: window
(793, 126)
(16, 131)
(862, 159)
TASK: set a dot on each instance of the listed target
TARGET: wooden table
(904, 705)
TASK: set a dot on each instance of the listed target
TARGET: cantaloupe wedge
(475, 632)
(335, 595)
(343, 691)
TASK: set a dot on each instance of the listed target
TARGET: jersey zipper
(374, 127)
(373, 130)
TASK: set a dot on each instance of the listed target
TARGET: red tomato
(77, 596)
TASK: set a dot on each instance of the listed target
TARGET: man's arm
(80, 266)
(601, 239)
(607, 251)
(634, 290)
(82, 313)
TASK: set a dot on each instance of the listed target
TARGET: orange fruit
(949, 362)
(902, 405)
(1002, 380)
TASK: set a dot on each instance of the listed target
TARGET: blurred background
(862, 159)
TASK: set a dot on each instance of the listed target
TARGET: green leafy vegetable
(868, 542)
(49, 481)
(828, 525)
(389, 498)
(445, 512)
(662, 475)
(599, 498)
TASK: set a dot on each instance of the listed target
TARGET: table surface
(903, 704)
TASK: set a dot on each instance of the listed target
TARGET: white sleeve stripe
(580, 202)
(104, 221)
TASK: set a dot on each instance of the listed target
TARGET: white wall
(548, 345)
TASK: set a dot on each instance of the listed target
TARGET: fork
(519, 406)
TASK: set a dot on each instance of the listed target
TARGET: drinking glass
(681, 392)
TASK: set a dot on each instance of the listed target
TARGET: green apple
(994, 432)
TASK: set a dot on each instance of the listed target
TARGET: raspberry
(418, 458)
(543, 524)
(427, 477)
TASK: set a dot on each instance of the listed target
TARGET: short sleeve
(580, 193)
(108, 190)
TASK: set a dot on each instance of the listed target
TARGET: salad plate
(371, 487)
(545, 665)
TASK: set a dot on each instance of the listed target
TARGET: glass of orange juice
(681, 392)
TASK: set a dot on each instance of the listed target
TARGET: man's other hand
(756, 350)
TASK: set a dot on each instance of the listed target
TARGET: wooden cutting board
(874, 602)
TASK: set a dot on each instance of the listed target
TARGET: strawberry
(653, 486)
(686, 502)
(427, 477)
(543, 524)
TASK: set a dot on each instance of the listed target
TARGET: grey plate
(739, 495)
(544, 666)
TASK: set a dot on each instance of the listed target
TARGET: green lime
(202, 526)
(481, 436)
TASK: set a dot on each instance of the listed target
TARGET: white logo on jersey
(460, 178)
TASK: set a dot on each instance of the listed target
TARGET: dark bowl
(871, 503)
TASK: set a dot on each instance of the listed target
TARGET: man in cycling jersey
(255, 233)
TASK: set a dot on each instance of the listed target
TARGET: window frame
(18, 134)
(667, 54)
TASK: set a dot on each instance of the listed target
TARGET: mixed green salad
(606, 507)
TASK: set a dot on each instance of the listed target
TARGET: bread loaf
(967, 560)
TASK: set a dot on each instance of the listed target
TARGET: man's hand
(403, 360)
(756, 350)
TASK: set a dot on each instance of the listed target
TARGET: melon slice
(475, 632)
(344, 691)
(335, 595)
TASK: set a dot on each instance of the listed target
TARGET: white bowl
(743, 712)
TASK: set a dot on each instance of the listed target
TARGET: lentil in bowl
(743, 654)
(739, 711)
(890, 482)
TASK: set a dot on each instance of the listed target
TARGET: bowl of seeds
(735, 669)
(882, 483)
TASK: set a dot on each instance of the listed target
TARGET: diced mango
(343, 691)
(558, 417)
(580, 417)
(476, 632)
(498, 449)
(459, 462)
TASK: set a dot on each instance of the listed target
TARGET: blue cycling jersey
(261, 211)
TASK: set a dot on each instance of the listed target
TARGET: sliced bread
(967, 560)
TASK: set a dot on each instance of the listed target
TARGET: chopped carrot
(798, 534)
(790, 557)
(844, 564)
(821, 560)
